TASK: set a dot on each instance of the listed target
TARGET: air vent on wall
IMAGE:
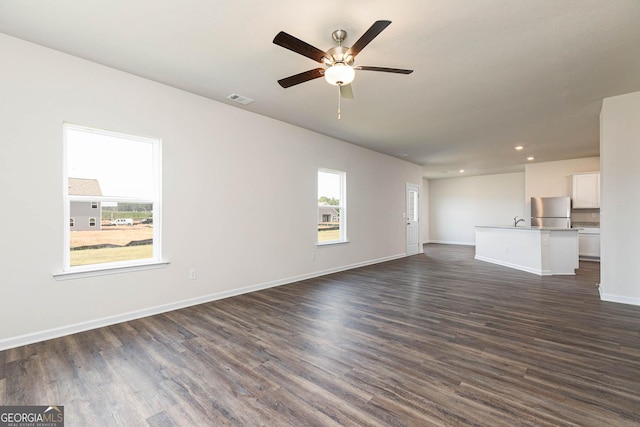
(240, 99)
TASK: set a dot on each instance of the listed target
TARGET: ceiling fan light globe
(339, 74)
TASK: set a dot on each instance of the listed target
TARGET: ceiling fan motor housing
(337, 55)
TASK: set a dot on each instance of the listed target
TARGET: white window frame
(342, 206)
(156, 260)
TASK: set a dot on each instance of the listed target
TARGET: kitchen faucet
(516, 220)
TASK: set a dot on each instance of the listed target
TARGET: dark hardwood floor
(432, 339)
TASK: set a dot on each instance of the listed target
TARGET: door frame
(412, 248)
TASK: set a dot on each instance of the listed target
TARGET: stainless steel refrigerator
(551, 212)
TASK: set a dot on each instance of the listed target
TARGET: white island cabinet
(540, 250)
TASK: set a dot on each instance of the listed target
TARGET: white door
(412, 216)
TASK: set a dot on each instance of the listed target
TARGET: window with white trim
(332, 207)
(119, 176)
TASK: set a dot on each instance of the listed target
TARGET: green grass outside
(101, 256)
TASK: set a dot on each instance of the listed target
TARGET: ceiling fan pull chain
(339, 98)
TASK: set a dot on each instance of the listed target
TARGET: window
(331, 207)
(118, 176)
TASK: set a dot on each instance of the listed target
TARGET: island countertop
(528, 228)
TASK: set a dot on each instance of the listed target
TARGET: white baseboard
(617, 298)
(539, 272)
(48, 334)
(451, 242)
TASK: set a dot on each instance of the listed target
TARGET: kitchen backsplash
(585, 217)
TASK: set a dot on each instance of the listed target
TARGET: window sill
(341, 242)
(103, 271)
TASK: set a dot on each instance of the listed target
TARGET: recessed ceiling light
(403, 155)
(531, 158)
(519, 147)
(461, 171)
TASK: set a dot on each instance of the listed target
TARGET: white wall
(457, 205)
(620, 199)
(554, 179)
(229, 178)
(424, 211)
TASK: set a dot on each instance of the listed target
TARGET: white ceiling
(489, 74)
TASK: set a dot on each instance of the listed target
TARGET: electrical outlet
(545, 242)
(193, 274)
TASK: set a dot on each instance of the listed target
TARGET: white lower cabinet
(589, 244)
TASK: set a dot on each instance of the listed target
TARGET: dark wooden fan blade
(346, 91)
(369, 35)
(296, 45)
(301, 78)
(384, 69)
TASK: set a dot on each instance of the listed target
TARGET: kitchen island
(539, 250)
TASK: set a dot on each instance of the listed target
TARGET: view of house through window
(112, 198)
(331, 206)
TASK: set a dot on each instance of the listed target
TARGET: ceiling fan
(339, 69)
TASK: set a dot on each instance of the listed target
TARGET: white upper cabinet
(586, 191)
